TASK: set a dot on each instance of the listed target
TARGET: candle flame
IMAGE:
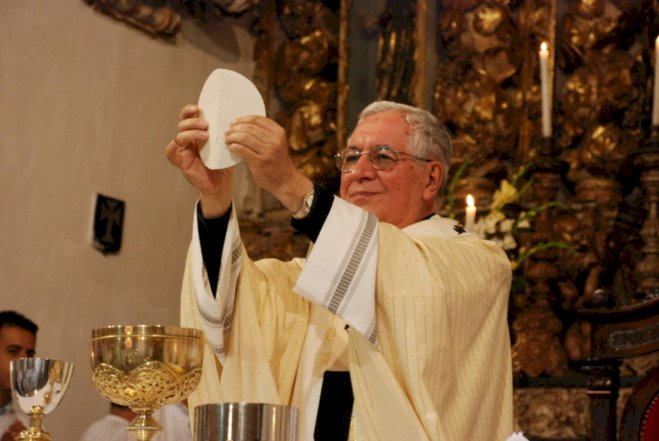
(470, 200)
(543, 46)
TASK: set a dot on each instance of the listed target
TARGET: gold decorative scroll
(155, 17)
(343, 86)
(420, 44)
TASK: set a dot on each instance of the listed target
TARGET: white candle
(470, 213)
(655, 97)
(544, 88)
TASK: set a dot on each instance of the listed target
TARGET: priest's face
(400, 195)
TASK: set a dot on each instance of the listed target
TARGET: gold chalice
(38, 385)
(144, 367)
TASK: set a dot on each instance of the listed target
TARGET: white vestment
(428, 348)
(173, 418)
(11, 414)
(109, 428)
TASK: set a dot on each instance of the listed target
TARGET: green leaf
(540, 247)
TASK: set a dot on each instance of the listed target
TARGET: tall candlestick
(655, 98)
(544, 87)
(470, 213)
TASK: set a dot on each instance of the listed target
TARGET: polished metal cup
(38, 385)
(144, 367)
(244, 422)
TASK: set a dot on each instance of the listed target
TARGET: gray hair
(429, 138)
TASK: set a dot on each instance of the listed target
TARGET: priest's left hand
(262, 144)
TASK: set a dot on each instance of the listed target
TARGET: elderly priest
(393, 301)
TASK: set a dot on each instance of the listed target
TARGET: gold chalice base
(144, 389)
(34, 431)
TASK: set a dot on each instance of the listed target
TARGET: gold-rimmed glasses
(381, 157)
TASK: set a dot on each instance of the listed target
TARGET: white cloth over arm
(216, 312)
(340, 271)
(255, 327)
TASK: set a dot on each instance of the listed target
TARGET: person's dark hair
(13, 318)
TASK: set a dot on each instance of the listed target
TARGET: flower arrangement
(506, 220)
(498, 227)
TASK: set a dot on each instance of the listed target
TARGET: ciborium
(144, 367)
(244, 422)
(38, 385)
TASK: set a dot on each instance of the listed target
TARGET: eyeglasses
(381, 157)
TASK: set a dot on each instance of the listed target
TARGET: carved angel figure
(537, 349)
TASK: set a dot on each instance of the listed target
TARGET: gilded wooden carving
(396, 51)
(306, 68)
(487, 90)
(155, 17)
(163, 17)
(583, 185)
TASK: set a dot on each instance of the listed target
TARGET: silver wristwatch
(307, 202)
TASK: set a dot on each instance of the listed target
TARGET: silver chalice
(38, 385)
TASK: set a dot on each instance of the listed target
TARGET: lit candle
(470, 213)
(544, 87)
(655, 100)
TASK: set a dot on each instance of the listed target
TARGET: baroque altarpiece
(576, 209)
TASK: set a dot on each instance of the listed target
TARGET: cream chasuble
(429, 353)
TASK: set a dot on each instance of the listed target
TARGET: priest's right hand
(215, 186)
